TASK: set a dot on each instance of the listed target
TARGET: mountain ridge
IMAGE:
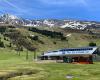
(73, 24)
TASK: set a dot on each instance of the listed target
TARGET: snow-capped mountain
(76, 25)
(73, 24)
(10, 19)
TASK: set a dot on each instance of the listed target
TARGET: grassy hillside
(15, 67)
(74, 40)
(45, 43)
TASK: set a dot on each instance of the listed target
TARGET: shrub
(92, 44)
(54, 42)
(40, 41)
(5, 38)
(10, 44)
(35, 38)
(1, 44)
(2, 29)
(63, 38)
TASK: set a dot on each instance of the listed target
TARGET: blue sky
(58, 9)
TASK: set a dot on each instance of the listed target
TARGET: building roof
(72, 51)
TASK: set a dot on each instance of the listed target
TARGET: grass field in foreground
(14, 67)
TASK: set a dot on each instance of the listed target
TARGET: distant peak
(9, 16)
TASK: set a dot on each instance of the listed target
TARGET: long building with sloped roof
(71, 55)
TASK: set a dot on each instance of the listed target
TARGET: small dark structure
(72, 55)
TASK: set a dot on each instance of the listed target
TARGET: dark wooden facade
(88, 59)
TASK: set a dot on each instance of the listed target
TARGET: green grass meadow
(14, 67)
